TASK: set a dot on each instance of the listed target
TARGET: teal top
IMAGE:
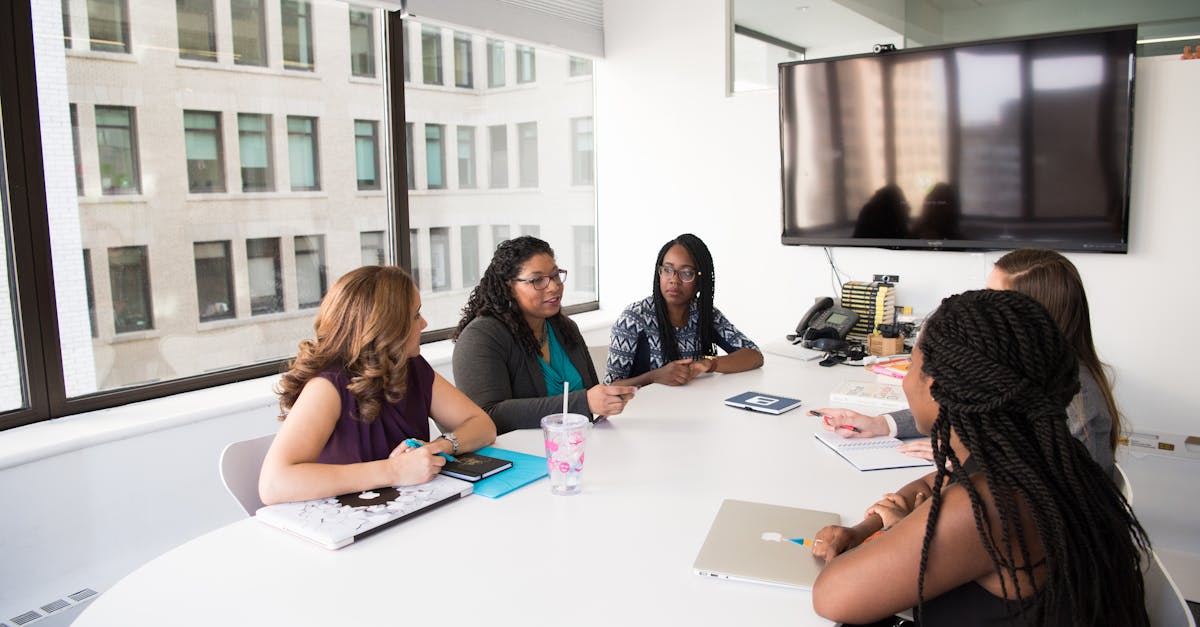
(559, 369)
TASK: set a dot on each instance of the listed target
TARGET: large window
(254, 145)
(310, 270)
(249, 32)
(527, 152)
(435, 156)
(202, 136)
(431, 54)
(108, 25)
(214, 281)
(129, 277)
(495, 63)
(116, 139)
(366, 153)
(526, 64)
(463, 60)
(466, 157)
(297, 26)
(265, 274)
(362, 42)
(582, 152)
(302, 153)
(197, 35)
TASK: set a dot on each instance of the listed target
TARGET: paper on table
(875, 453)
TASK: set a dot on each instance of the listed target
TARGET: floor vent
(56, 605)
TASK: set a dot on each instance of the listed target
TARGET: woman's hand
(834, 540)
(837, 418)
(678, 372)
(922, 448)
(893, 507)
(410, 466)
(609, 400)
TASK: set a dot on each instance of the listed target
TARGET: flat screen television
(992, 145)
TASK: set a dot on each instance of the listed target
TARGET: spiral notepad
(875, 453)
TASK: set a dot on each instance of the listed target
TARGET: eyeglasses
(687, 275)
(540, 283)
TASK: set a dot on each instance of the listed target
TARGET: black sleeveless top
(970, 605)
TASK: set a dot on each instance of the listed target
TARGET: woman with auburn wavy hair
(354, 394)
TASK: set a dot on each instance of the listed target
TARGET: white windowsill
(30, 443)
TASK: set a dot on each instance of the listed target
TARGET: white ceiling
(807, 23)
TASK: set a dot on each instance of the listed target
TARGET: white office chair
(240, 464)
(1122, 481)
(1164, 602)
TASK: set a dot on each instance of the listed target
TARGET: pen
(415, 443)
(852, 428)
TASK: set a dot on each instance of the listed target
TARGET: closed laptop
(763, 543)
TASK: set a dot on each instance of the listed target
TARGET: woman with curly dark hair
(1021, 525)
(353, 395)
(673, 335)
(515, 348)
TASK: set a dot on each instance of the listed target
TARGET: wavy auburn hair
(363, 326)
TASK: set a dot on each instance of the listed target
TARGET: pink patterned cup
(566, 435)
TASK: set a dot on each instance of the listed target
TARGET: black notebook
(473, 466)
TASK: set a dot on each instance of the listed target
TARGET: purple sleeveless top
(354, 441)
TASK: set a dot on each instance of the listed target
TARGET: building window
(108, 25)
(435, 156)
(531, 229)
(129, 277)
(266, 277)
(463, 59)
(197, 36)
(310, 270)
(580, 67)
(249, 32)
(297, 35)
(439, 258)
(582, 152)
(303, 162)
(527, 152)
(66, 17)
(362, 42)
(366, 152)
(214, 281)
(526, 64)
(254, 146)
(75, 144)
(408, 162)
(404, 51)
(466, 157)
(500, 232)
(116, 139)
(498, 162)
(431, 54)
(470, 255)
(90, 291)
(373, 251)
(202, 143)
(414, 256)
(585, 258)
(495, 63)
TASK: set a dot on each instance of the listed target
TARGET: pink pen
(851, 428)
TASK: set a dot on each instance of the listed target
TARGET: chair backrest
(240, 465)
(1122, 481)
(1164, 602)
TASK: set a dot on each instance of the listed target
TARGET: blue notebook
(525, 469)
(767, 403)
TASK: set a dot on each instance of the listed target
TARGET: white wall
(677, 155)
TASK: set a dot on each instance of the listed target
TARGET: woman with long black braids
(1023, 527)
(673, 335)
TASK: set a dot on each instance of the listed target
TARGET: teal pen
(415, 443)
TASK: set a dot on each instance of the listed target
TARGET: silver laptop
(763, 544)
(335, 522)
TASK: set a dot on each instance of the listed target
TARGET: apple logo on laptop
(771, 536)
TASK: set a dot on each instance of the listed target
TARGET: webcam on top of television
(882, 48)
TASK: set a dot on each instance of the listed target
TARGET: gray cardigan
(492, 368)
(1087, 417)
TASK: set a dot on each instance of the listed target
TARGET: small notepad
(766, 403)
(875, 453)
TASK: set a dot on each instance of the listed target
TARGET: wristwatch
(712, 359)
(453, 439)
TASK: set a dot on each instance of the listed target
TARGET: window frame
(208, 55)
(219, 185)
(40, 357)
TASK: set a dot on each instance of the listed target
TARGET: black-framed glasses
(687, 275)
(540, 283)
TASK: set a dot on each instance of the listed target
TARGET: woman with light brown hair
(353, 395)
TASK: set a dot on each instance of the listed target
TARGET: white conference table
(620, 552)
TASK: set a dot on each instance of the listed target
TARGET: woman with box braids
(673, 336)
(1021, 526)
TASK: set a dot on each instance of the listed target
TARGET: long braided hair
(1003, 375)
(705, 283)
(1052, 280)
(494, 294)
